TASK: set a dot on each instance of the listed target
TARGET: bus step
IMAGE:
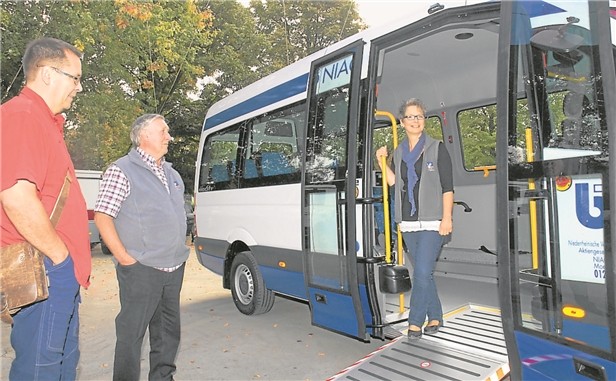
(469, 346)
(391, 333)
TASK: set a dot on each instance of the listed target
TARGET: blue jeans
(424, 248)
(45, 335)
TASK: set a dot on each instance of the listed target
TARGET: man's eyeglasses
(414, 117)
(75, 78)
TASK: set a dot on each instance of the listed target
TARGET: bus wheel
(250, 295)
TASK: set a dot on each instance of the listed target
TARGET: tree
(148, 60)
(299, 28)
(139, 57)
(175, 58)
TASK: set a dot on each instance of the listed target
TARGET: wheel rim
(244, 284)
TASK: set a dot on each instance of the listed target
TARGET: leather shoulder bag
(23, 280)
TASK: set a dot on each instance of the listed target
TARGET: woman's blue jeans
(424, 248)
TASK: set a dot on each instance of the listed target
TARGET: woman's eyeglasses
(414, 117)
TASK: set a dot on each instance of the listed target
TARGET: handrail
(385, 186)
(485, 168)
(386, 217)
(532, 204)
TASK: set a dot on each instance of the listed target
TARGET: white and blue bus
(289, 199)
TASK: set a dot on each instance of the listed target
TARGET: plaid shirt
(115, 188)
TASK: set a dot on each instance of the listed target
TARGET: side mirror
(558, 39)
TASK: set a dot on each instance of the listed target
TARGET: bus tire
(250, 295)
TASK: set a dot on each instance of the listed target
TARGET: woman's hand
(446, 226)
(380, 153)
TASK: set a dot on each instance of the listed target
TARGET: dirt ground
(218, 342)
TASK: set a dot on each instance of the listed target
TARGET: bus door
(557, 121)
(329, 226)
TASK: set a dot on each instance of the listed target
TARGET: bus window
(218, 160)
(328, 160)
(570, 89)
(478, 137)
(272, 154)
(434, 128)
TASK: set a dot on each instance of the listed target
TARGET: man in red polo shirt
(34, 161)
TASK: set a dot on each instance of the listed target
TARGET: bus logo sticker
(580, 216)
(335, 74)
(583, 207)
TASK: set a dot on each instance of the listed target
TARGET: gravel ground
(218, 342)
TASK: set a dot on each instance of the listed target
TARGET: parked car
(89, 182)
(190, 217)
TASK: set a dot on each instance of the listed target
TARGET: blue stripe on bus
(284, 281)
(283, 91)
(540, 8)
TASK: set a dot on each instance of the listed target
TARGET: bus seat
(219, 173)
(250, 169)
(275, 163)
(572, 109)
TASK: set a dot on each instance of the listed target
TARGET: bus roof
(289, 84)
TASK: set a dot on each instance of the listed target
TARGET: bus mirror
(558, 40)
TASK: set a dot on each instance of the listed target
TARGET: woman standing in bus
(422, 174)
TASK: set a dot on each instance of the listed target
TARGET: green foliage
(175, 58)
(299, 28)
(478, 133)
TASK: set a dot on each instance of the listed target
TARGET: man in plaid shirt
(141, 218)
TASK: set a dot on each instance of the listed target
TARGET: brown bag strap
(5, 315)
(57, 208)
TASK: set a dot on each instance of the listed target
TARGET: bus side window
(272, 142)
(478, 137)
(219, 152)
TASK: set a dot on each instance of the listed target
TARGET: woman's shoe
(432, 329)
(414, 335)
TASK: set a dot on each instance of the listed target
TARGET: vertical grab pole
(394, 126)
(386, 213)
(530, 157)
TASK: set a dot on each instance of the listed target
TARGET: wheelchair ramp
(470, 346)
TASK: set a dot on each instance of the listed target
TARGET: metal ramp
(469, 346)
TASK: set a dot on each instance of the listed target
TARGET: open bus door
(555, 182)
(329, 222)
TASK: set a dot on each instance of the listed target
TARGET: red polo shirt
(32, 148)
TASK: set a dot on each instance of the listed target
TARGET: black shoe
(432, 329)
(414, 335)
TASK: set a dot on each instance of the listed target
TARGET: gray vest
(151, 222)
(430, 195)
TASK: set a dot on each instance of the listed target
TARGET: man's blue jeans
(424, 248)
(45, 335)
